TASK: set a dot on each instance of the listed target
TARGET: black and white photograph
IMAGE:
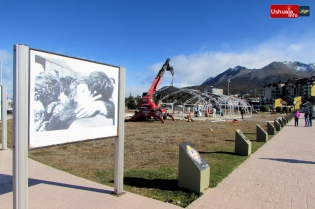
(71, 99)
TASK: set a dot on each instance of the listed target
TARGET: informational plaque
(280, 122)
(193, 171)
(243, 146)
(271, 129)
(261, 134)
(277, 125)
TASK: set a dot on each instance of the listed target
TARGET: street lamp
(229, 85)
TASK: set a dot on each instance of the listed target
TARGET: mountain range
(243, 80)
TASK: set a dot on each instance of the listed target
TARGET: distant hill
(231, 73)
(166, 90)
(244, 80)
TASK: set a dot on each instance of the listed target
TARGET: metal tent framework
(204, 101)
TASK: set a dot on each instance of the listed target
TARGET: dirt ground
(151, 154)
(152, 144)
(148, 144)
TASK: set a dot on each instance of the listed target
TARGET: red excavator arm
(158, 79)
(147, 106)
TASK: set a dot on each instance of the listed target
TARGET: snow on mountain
(272, 72)
(300, 67)
(236, 68)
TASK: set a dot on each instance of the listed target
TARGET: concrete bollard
(271, 130)
(277, 125)
(261, 134)
(280, 122)
(242, 144)
(193, 170)
(284, 120)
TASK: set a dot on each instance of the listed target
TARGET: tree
(131, 102)
(138, 98)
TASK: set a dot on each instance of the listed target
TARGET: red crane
(147, 106)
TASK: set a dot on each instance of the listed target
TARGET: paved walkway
(281, 174)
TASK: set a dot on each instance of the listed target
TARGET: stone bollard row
(243, 145)
(280, 122)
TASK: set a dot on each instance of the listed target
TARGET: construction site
(198, 105)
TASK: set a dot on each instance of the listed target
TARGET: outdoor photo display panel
(71, 99)
(1, 103)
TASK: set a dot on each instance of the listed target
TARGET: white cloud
(7, 72)
(5, 57)
(194, 69)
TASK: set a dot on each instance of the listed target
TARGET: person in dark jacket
(242, 113)
(306, 116)
(310, 116)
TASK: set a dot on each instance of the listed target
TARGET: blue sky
(202, 37)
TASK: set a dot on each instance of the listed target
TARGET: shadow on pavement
(6, 185)
(289, 160)
(163, 184)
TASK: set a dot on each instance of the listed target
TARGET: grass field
(151, 155)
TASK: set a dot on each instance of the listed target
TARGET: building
(308, 89)
(291, 90)
(288, 91)
(273, 91)
(213, 90)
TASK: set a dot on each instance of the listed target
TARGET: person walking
(306, 116)
(242, 113)
(195, 111)
(296, 117)
(310, 116)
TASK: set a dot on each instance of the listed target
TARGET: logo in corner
(284, 11)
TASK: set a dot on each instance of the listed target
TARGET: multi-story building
(306, 89)
(291, 89)
(273, 91)
(213, 90)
